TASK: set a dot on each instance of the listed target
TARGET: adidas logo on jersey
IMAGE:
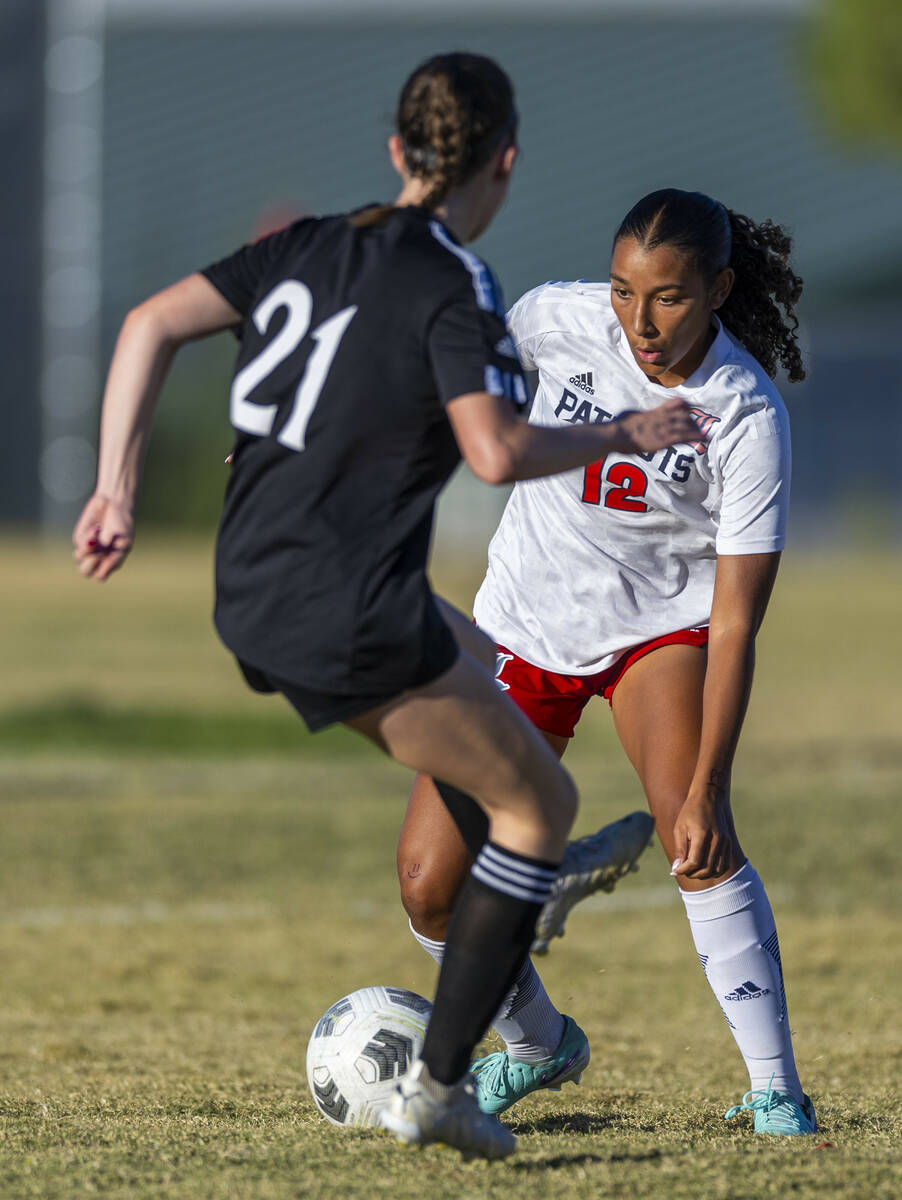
(747, 991)
(583, 381)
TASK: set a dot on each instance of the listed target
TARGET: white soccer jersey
(586, 564)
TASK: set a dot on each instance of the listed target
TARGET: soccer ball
(360, 1048)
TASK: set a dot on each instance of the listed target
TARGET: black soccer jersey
(353, 340)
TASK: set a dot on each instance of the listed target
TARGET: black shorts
(320, 709)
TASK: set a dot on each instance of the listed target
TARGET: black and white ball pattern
(360, 1048)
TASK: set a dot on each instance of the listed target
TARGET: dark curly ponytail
(759, 310)
(453, 113)
(765, 284)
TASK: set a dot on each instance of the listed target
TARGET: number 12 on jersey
(628, 481)
(258, 419)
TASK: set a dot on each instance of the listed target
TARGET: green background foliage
(856, 58)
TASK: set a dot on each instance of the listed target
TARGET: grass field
(189, 880)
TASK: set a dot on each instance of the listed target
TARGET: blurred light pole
(71, 272)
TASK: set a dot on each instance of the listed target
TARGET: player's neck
(455, 212)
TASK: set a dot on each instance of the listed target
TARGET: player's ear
(506, 159)
(722, 287)
(396, 154)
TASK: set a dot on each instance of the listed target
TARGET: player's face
(664, 306)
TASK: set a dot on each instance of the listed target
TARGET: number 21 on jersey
(628, 481)
(258, 419)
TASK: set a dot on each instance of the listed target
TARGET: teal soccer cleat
(777, 1113)
(501, 1080)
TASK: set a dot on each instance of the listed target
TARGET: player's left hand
(702, 835)
(102, 537)
(670, 424)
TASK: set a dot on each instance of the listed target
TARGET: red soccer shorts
(553, 702)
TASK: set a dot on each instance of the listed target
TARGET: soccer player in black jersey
(373, 354)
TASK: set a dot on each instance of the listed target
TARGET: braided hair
(453, 113)
(759, 310)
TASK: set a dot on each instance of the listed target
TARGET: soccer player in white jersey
(644, 579)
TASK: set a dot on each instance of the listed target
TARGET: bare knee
(665, 807)
(428, 896)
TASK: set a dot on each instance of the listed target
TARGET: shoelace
(761, 1102)
(755, 1102)
(494, 1073)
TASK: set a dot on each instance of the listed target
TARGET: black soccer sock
(489, 936)
(469, 817)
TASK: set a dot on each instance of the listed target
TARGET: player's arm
(148, 340)
(742, 588)
(500, 447)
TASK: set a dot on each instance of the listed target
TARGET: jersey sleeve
(526, 328)
(238, 276)
(754, 462)
(470, 350)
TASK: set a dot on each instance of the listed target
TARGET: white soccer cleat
(422, 1111)
(592, 864)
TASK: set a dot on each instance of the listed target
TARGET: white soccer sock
(734, 932)
(528, 1022)
(435, 950)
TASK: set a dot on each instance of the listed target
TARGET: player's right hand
(670, 424)
(703, 838)
(102, 537)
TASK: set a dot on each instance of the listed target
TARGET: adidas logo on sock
(584, 382)
(747, 991)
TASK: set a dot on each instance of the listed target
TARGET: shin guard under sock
(736, 939)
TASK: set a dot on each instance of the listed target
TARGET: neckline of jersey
(414, 210)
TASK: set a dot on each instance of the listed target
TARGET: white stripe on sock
(531, 870)
(512, 876)
(509, 889)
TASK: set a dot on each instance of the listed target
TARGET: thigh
(439, 842)
(657, 709)
(462, 729)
